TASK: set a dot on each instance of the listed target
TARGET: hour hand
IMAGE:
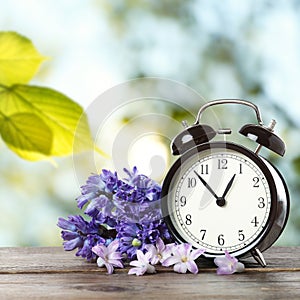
(207, 185)
(228, 186)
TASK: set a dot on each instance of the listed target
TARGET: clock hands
(219, 200)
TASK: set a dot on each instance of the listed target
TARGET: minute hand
(206, 185)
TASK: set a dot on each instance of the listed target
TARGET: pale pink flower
(108, 256)
(159, 253)
(142, 264)
(228, 264)
(183, 258)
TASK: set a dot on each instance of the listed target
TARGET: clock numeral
(222, 163)
(255, 180)
(221, 240)
(182, 201)
(255, 222)
(241, 170)
(188, 219)
(203, 231)
(192, 182)
(204, 169)
(241, 235)
(261, 203)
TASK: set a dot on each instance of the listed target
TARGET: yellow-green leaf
(25, 133)
(19, 60)
(56, 110)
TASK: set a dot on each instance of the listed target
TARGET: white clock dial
(219, 199)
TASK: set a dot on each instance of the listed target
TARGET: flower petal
(115, 255)
(171, 261)
(149, 256)
(176, 251)
(240, 267)
(69, 235)
(65, 224)
(137, 271)
(160, 245)
(109, 268)
(150, 269)
(141, 257)
(113, 246)
(196, 253)
(100, 262)
(151, 249)
(99, 250)
(192, 267)
(221, 261)
(136, 263)
(185, 249)
(230, 258)
(180, 268)
(72, 244)
(116, 263)
(224, 271)
(155, 260)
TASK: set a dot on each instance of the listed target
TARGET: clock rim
(221, 145)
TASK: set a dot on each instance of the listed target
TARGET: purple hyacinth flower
(74, 229)
(96, 205)
(134, 236)
(110, 180)
(96, 185)
(92, 189)
(131, 174)
(128, 238)
(141, 187)
(136, 199)
(78, 233)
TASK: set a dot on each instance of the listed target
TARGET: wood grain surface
(51, 273)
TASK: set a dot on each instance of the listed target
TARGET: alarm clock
(220, 195)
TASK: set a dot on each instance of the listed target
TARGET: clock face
(218, 198)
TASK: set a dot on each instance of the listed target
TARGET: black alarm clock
(221, 195)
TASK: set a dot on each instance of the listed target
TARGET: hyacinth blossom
(108, 256)
(183, 258)
(80, 234)
(127, 209)
(160, 252)
(142, 264)
(228, 264)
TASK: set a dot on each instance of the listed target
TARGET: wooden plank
(283, 285)
(55, 259)
(48, 273)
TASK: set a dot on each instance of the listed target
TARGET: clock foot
(257, 255)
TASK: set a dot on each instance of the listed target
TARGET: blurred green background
(222, 49)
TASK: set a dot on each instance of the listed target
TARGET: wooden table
(50, 272)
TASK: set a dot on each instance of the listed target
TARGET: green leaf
(26, 134)
(59, 113)
(19, 60)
